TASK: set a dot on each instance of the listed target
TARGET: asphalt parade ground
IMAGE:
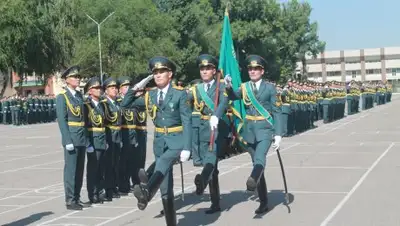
(342, 173)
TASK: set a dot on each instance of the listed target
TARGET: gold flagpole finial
(227, 8)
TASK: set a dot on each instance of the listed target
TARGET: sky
(357, 24)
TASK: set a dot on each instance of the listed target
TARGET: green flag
(228, 65)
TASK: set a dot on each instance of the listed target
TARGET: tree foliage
(46, 36)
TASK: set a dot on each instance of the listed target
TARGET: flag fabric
(228, 65)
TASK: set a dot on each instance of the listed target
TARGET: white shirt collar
(73, 92)
(164, 90)
(211, 83)
(112, 101)
(258, 83)
(95, 102)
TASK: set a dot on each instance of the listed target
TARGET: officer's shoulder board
(178, 88)
(103, 101)
(63, 91)
(119, 99)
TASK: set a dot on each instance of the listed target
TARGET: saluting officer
(95, 124)
(203, 97)
(70, 116)
(263, 122)
(167, 106)
(113, 136)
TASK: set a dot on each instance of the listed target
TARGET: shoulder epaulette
(63, 91)
(119, 99)
(103, 100)
(178, 87)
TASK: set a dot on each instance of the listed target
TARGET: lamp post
(98, 33)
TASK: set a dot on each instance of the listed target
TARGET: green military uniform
(134, 136)
(113, 137)
(74, 140)
(129, 142)
(95, 124)
(263, 121)
(203, 96)
(170, 112)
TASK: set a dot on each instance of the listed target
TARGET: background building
(360, 65)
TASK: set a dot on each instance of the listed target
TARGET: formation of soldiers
(303, 103)
(18, 110)
(107, 123)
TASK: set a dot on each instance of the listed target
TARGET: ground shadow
(29, 220)
(191, 213)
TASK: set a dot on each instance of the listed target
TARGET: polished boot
(83, 204)
(169, 210)
(145, 192)
(215, 194)
(252, 181)
(201, 180)
(108, 195)
(262, 195)
(72, 205)
(144, 175)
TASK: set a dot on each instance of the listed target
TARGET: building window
(333, 73)
(353, 76)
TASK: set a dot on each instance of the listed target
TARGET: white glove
(185, 155)
(213, 122)
(143, 82)
(277, 142)
(69, 147)
(90, 149)
(228, 81)
(107, 146)
(121, 144)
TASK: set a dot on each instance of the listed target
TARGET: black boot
(201, 180)
(252, 181)
(169, 210)
(145, 192)
(262, 195)
(214, 193)
(145, 175)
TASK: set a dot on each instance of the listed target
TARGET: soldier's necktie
(254, 88)
(160, 99)
(208, 87)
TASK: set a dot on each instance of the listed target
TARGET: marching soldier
(94, 122)
(168, 108)
(203, 96)
(113, 137)
(263, 122)
(74, 137)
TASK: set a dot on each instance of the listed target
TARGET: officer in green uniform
(169, 109)
(203, 96)
(263, 122)
(95, 124)
(113, 137)
(134, 132)
(74, 137)
(197, 159)
(129, 140)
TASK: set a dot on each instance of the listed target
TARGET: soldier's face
(207, 73)
(255, 73)
(112, 91)
(123, 89)
(73, 81)
(95, 92)
(162, 77)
